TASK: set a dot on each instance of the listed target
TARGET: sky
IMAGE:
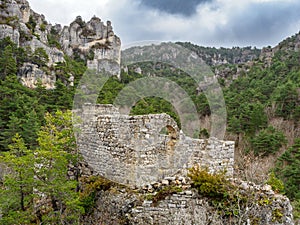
(218, 23)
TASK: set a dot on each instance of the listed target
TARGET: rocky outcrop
(92, 40)
(173, 201)
(54, 54)
(30, 75)
(215, 57)
(29, 30)
(291, 44)
(187, 207)
(15, 8)
(8, 31)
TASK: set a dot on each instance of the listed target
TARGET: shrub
(91, 185)
(207, 184)
(43, 27)
(31, 24)
(276, 184)
(288, 169)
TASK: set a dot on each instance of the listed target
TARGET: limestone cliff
(222, 56)
(92, 41)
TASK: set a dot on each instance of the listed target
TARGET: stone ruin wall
(133, 150)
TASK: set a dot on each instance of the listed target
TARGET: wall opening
(172, 136)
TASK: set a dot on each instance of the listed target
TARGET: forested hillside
(263, 105)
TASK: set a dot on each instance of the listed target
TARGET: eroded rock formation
(93, 41)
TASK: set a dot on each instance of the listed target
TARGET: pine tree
(8, 64)
(20, 112)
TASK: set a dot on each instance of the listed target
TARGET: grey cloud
(262, 23)
(258, 24)
(181, 7)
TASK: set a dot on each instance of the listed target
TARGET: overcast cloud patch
(180, 7)
(262, 23)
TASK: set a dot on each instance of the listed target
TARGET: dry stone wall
(138, 150)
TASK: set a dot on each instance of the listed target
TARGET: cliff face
(92, 41)
(215, 57)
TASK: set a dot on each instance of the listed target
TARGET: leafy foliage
(163, 193)
(223, 195)
(37, 189)
(40, 57)
(8, 64)
(276, 184)
(288, 170)
(31, 24)
(19, 112)
(17, 196)
(53, 38)
(91, 185)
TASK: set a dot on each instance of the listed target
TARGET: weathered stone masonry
(133, 150)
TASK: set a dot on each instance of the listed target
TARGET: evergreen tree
(288, 170)
(19, 112)
(16, 193)
(37, 188)
(8, 64)
(57, 149)
(40, 57)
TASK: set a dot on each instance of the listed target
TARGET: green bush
(288, 170)
(53, 41)
(40, 57)
(31, 24)
(43, 27)
(296, 208)
(211, 185)
(276, 184)
(90, 186)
